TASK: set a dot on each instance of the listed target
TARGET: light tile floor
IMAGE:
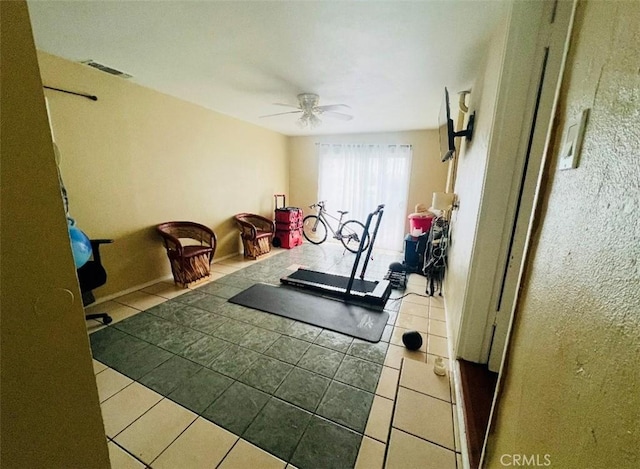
(411, 424)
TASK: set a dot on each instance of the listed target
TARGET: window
(359, 177)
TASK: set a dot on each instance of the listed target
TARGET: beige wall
(136, 158)
(428, 174)
(470, 179)
(572, 388)
(48, 401)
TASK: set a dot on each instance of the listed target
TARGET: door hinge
(494, 319)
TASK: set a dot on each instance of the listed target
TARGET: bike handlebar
(321, 204)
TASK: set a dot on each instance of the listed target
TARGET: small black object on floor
(397, 275)
(328, 313)
(412, 340)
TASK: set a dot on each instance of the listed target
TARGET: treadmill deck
(365, 292)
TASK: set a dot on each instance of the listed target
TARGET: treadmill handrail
(378, 211)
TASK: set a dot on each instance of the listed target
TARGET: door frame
(558, 41)
(553, 47)
(536, 30)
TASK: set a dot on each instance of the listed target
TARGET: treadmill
(367, 293)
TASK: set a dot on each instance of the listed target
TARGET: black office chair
(91, 276)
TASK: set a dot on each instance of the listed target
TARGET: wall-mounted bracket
(468, 132)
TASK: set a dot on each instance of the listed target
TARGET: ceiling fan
(308, 106)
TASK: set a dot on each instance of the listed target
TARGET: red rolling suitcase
(287, 215)
(289, 239)
(288, 224)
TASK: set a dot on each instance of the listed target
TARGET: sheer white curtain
(359, 177)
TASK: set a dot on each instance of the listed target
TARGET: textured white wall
(572, 387)
(469, 185)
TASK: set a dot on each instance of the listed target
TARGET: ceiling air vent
(106, 69)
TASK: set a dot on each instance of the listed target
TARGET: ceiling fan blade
(286, 105)
(338, 115)
(333, 107)
(280, 114)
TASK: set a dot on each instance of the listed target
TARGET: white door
(550, 56)
(537, 38)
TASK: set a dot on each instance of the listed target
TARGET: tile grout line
(393, 412)
(128, 452)
(176, 438)
(230, 449)
(424, 439)
(426, 394)
(373, 437)
(135, 420)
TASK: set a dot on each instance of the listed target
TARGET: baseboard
(454, 368)
(462, 425)
(215, 261)
(104, 299)
(110, 297)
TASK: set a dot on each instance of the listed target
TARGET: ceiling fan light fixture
(310, 111)
(309, 119)
(314, 121)
(303, 121)
(308, 101)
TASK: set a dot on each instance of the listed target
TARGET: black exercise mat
(327, 313)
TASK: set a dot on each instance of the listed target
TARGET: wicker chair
(190, 262)
(257, 234)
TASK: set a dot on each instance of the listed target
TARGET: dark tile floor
(297, 391)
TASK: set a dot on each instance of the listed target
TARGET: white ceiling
(388, 60)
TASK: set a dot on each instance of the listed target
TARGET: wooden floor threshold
(478, 386)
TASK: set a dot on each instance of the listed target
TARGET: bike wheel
(314, 229)
(350, 235)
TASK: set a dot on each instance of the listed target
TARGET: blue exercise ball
(80, 246)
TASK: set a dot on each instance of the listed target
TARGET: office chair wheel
(107, 320)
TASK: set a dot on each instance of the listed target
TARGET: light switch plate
(572, 142)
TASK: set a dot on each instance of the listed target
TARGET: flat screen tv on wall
(447, 131)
